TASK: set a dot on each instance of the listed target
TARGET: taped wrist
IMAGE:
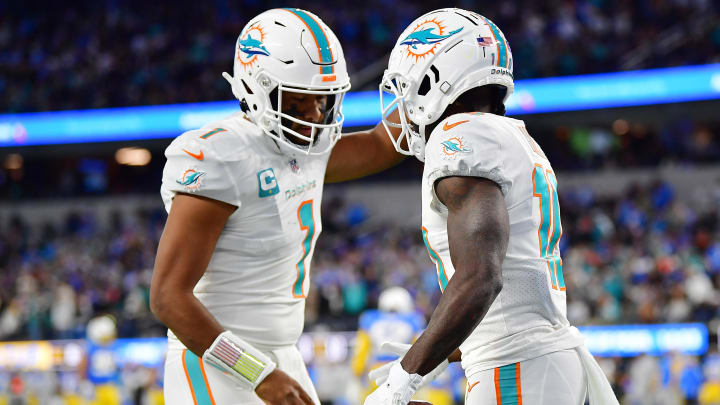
(239, 360)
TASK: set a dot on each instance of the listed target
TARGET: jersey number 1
(307, 224)
(550, 230)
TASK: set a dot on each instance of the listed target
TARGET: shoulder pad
(471, 145)
(194, 165)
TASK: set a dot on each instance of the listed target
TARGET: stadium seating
(108, 54)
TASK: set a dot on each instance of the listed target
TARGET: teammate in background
(491, 223)
(243, 196)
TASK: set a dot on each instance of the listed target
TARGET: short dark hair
(492, 95)
(475, 99)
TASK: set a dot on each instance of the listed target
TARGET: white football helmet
(395, 299)
(438, 57)
(290, 50)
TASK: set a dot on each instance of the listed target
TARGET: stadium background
(636, 156)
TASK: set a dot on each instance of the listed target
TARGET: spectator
(108, 54)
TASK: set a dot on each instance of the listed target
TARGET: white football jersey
(259, 274)
(528, 318)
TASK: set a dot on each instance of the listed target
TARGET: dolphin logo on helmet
(426, 37)
(251, 46)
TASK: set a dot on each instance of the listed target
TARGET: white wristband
(239, 360)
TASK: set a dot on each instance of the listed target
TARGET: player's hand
(278, 388)
(398, 388)
(380, 374)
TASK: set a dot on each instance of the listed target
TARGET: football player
(490, 221)
(243, 196)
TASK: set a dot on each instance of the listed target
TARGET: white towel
(599, 390)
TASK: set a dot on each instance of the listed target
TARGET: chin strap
(417, 144)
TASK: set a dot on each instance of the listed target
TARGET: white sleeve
(473, 148)
(195, 168)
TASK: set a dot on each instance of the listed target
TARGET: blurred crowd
(106, 53)
(57, 277)
(630, 144)
(623, 144)
(642, 256)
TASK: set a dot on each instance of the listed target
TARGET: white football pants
(553, 379)
(188, 381)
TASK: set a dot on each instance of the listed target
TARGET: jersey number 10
(550, 230)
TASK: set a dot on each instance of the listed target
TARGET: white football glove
(398, 388)
(380, 374)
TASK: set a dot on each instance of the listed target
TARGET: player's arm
(360, 154)
(186, 246)
(478, 229)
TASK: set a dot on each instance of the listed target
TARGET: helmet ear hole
(424, 86)
(274, 99)
(244, 106)
(247, 88)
